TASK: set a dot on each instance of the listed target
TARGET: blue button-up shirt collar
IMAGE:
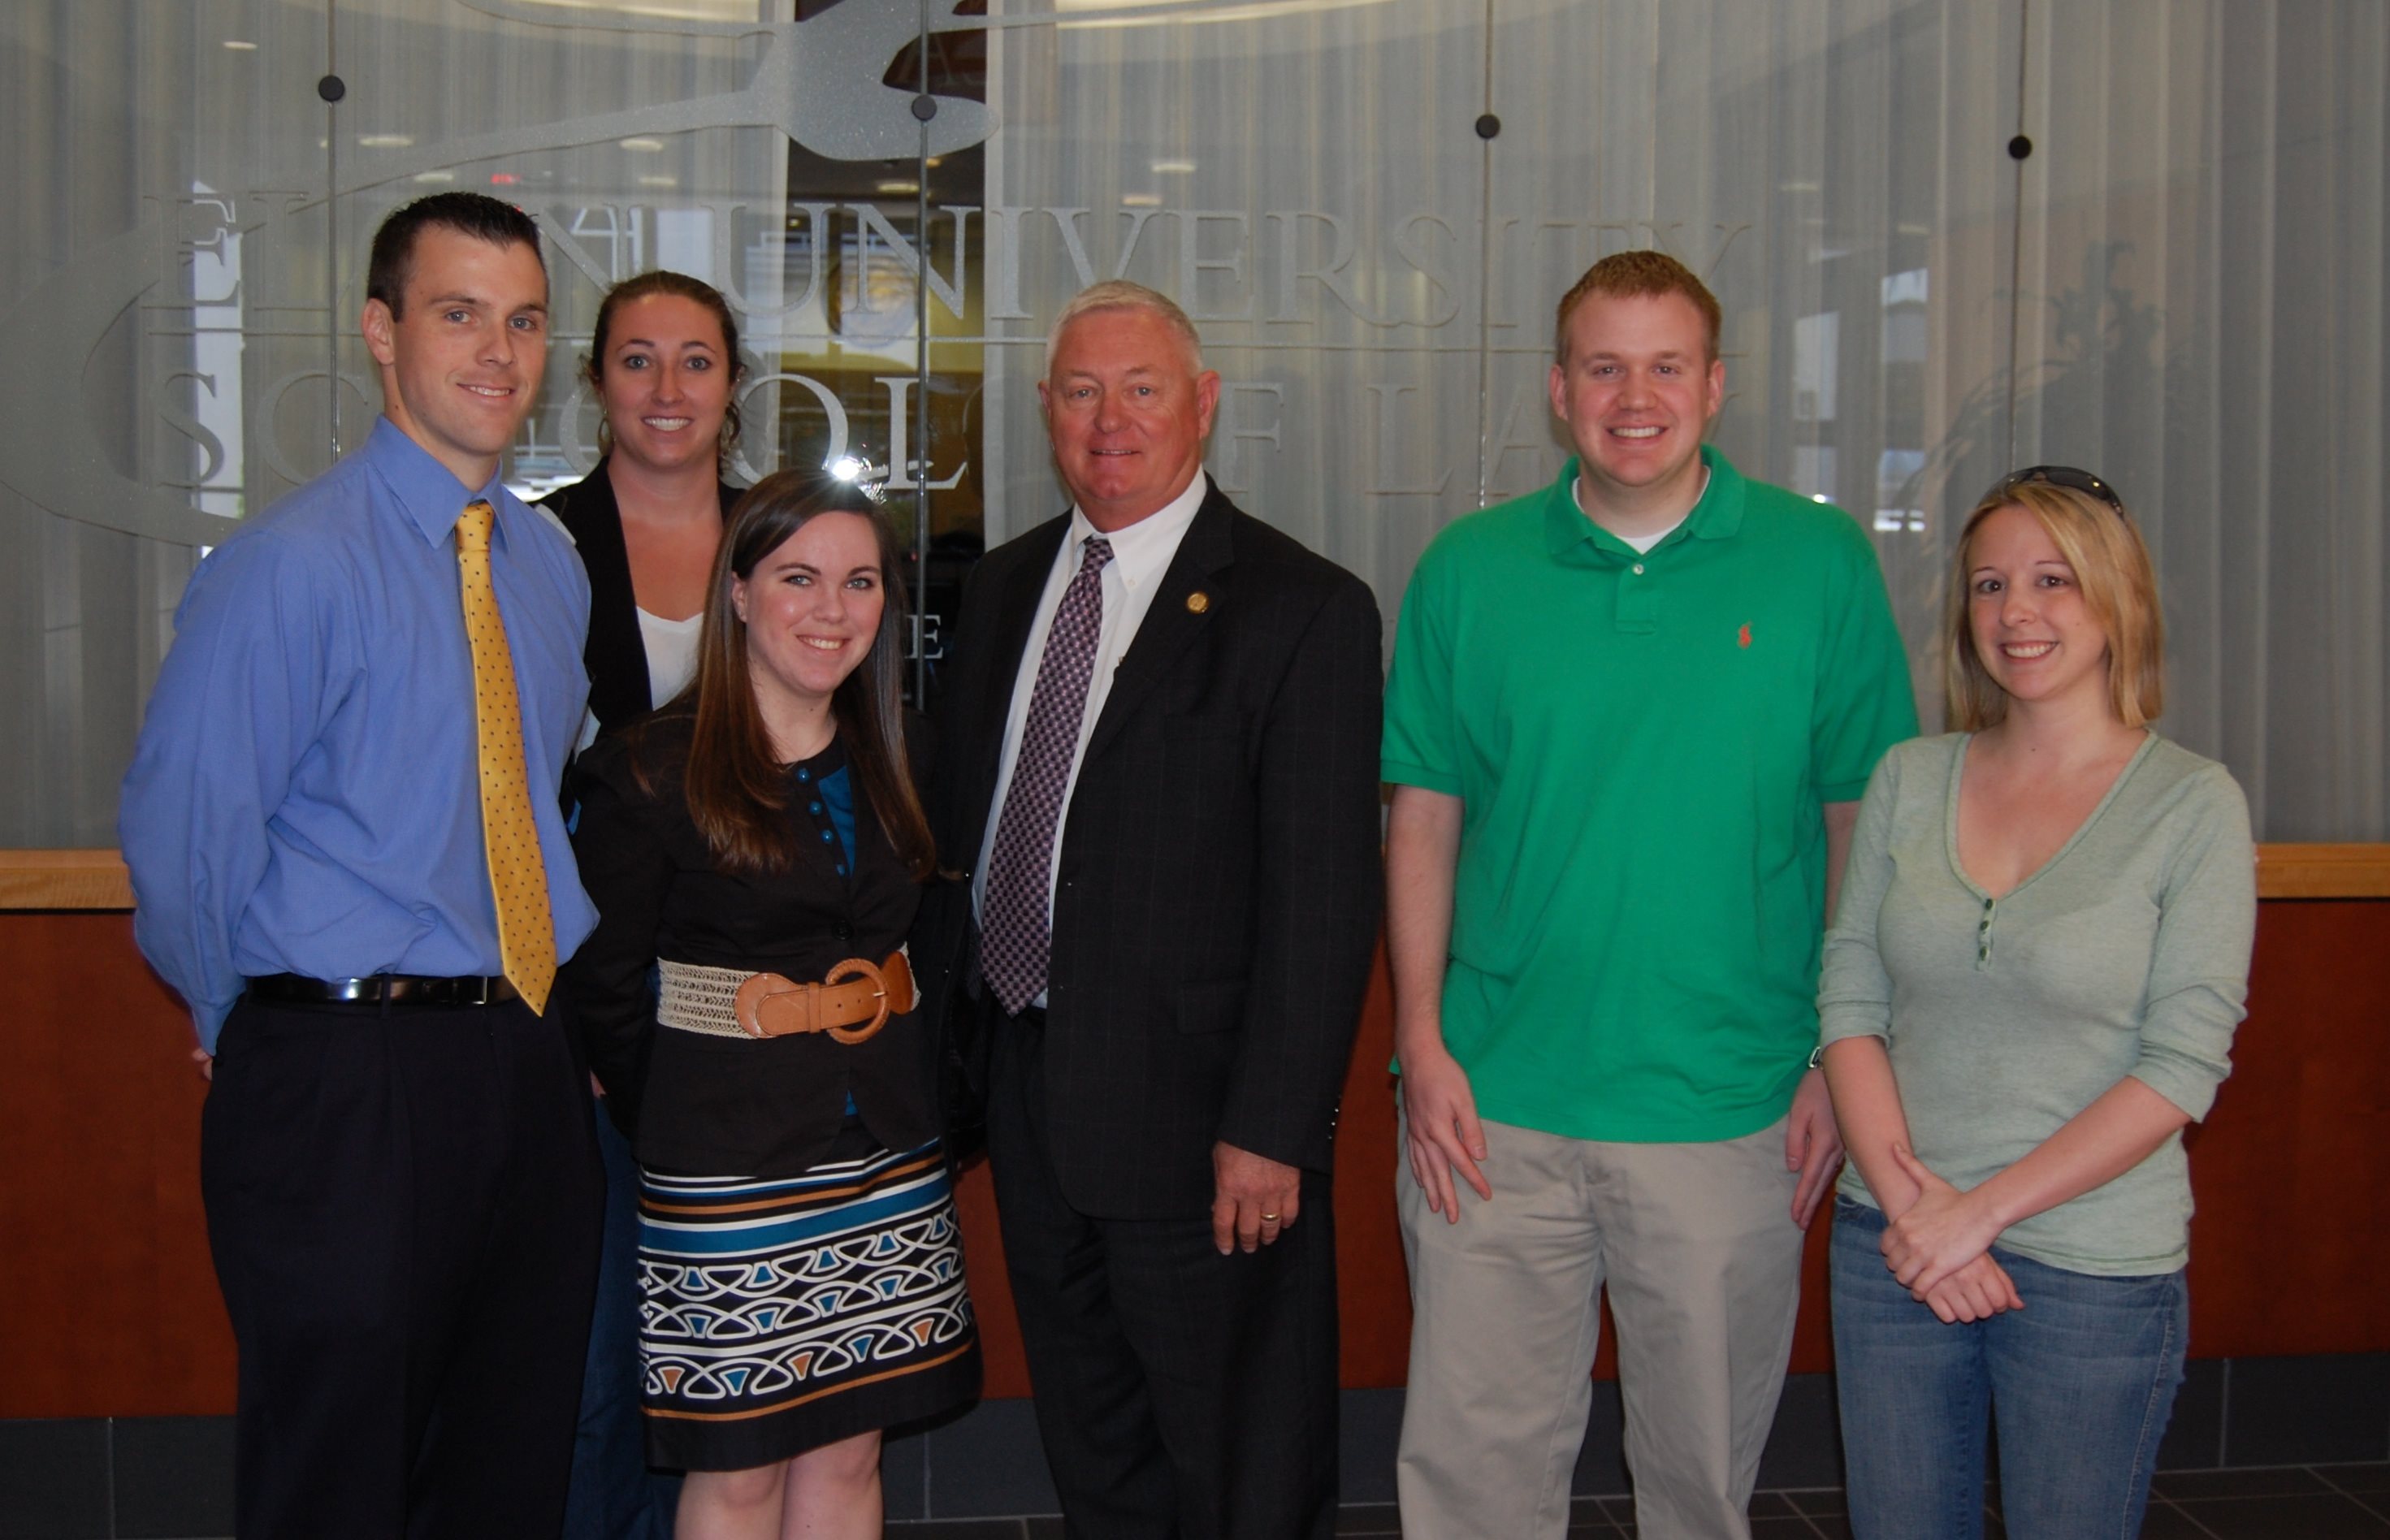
(428, 492)
(305, 797)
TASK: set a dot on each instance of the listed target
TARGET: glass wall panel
(1335, 291)
(2201, 311)
(1950, 236)
(1831, 171)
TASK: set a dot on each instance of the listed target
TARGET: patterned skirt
(782, 1313)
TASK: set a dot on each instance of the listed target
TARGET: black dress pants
(405, 1207)
(1181, 1394)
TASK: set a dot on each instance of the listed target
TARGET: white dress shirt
(1141, 552)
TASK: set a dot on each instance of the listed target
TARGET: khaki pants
(1698, 1248)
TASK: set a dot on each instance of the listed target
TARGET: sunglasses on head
(2060, 476)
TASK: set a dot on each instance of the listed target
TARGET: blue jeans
(2080, 1382)
(614, 1496)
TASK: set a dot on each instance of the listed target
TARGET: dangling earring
(605, 436)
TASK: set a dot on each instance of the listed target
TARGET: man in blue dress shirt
(401, 1178)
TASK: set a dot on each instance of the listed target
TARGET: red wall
(108, 1306)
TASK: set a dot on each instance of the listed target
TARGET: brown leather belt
(725, 1002)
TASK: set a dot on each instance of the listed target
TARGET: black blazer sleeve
(614, 653)
(627, 869)
(1317, 886)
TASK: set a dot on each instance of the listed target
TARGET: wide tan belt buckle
(789, 1006)
(861, 968)
(770, 1004)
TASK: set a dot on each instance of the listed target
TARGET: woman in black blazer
(665, 367)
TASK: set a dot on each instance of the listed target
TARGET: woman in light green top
(2030, 987)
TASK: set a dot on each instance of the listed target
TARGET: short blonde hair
(1121, 294)
(2112, 567)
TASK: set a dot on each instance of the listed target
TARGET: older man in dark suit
(1157, 760)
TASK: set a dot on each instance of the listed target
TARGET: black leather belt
(396, 989)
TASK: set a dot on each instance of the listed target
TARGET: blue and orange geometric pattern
(758, 1295)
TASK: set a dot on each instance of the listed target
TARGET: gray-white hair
(1121, 294)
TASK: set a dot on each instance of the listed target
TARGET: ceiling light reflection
(670, 10)
(1157, 13)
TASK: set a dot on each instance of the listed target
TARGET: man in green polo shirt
(1630, 722)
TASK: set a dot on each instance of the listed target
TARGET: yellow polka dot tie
(518, 875)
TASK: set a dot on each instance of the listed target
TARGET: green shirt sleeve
(1853, 991)
(1416, 746)
(1864, 702)
(2199, 972)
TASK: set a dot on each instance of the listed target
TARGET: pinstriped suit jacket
(1217, 896)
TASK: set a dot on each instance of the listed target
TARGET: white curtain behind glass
(1307, 184)
(2193, 296)
(2203, 305)
(2193, 300)
(171, 151)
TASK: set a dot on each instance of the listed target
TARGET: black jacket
(710, 1106)
(616, 658)
(1219, 889)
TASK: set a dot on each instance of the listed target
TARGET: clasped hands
(1939, 1249)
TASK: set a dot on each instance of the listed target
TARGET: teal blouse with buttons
(2126, 953)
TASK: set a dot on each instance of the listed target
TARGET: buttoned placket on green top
(2126, 953)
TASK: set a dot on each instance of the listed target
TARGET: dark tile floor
(2292, 1502)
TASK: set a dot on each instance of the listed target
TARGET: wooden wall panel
(108, 1302)
(1000, 1335)
(1373, 1294)
(2288, 1248)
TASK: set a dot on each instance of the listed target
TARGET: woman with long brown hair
(759, 843)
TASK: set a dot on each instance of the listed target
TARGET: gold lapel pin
(1198, 601)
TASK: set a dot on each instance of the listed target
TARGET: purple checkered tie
(1016, 919)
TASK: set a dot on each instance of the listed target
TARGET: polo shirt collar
(429, 493)
(1718, 515)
